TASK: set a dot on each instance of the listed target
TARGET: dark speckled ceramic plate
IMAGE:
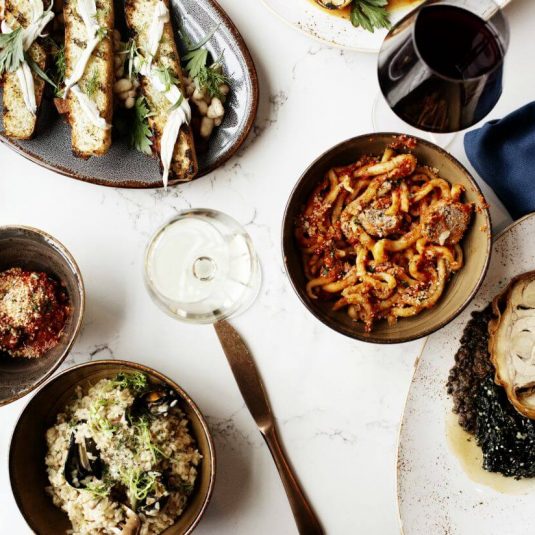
(126, 168)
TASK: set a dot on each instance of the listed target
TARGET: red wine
(440, 68)
(456, 43)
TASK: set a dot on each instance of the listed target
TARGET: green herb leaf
(370, 14)
(35, 67)
(11, 50)
(196, 60)
(166, 76)
(210, 78)
(203, 41)
(176, 104)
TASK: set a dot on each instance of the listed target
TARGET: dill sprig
(11, 50)
(92, 83)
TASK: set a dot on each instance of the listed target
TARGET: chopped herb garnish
(370, 14)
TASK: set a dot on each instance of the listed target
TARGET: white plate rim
(417, 361)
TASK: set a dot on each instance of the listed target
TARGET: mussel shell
(155, 402)
(79, 464)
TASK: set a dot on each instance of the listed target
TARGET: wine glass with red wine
(440, 67)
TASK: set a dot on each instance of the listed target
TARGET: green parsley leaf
(196, 60)
(370, 14)
(139, 132)
(11, 50)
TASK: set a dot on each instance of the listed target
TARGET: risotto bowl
(30, 445)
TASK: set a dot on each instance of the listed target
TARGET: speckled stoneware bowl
(127, 168)
(27, 469)
(459, 290)
(33, 249)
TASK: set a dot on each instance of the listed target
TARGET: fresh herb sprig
(11, 50)
(139, 484)
(207, 77)
(166, 76)
(370, 14)
(136, 382)
(139, 134)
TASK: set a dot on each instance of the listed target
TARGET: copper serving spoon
(254, 394)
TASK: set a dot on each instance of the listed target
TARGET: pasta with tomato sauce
(381, 237)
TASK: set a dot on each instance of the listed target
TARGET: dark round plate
(123, 167)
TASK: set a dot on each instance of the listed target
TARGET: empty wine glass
(201, 267)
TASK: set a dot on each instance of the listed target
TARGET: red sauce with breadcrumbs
(34, 309)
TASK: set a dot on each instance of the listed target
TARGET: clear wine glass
(201, 267)
(440, 68)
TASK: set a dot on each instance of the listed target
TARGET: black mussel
(83, 460)
(152, 505)
(155, 402)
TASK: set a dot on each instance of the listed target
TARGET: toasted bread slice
(97, 81)
(19, 121)
(139, 15)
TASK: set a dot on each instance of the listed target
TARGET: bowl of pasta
(386, 238)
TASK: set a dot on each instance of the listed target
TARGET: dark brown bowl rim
(143, 184)
(370, 338)
(56, 244)
(154, 374)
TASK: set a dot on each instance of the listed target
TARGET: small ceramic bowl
(27, 470)
(33, 249)
(460, 289)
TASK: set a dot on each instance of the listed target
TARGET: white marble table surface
(338, 401)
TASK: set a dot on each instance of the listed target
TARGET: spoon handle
(305, 518)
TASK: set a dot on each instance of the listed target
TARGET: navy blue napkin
(503, 154)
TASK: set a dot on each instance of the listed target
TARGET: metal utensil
(254, 394)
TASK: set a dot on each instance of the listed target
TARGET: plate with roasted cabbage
(129, 94)
(466, 457)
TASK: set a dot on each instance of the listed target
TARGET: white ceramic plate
(435, 494)
(307, 17)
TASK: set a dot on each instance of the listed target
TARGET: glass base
(385, 120)
(201, 267)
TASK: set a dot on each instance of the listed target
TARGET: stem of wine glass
(204, 268)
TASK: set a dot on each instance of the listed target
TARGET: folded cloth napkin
(503, 154)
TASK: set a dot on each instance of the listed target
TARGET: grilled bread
(19, 121)
(139, 15)
(87, 138)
